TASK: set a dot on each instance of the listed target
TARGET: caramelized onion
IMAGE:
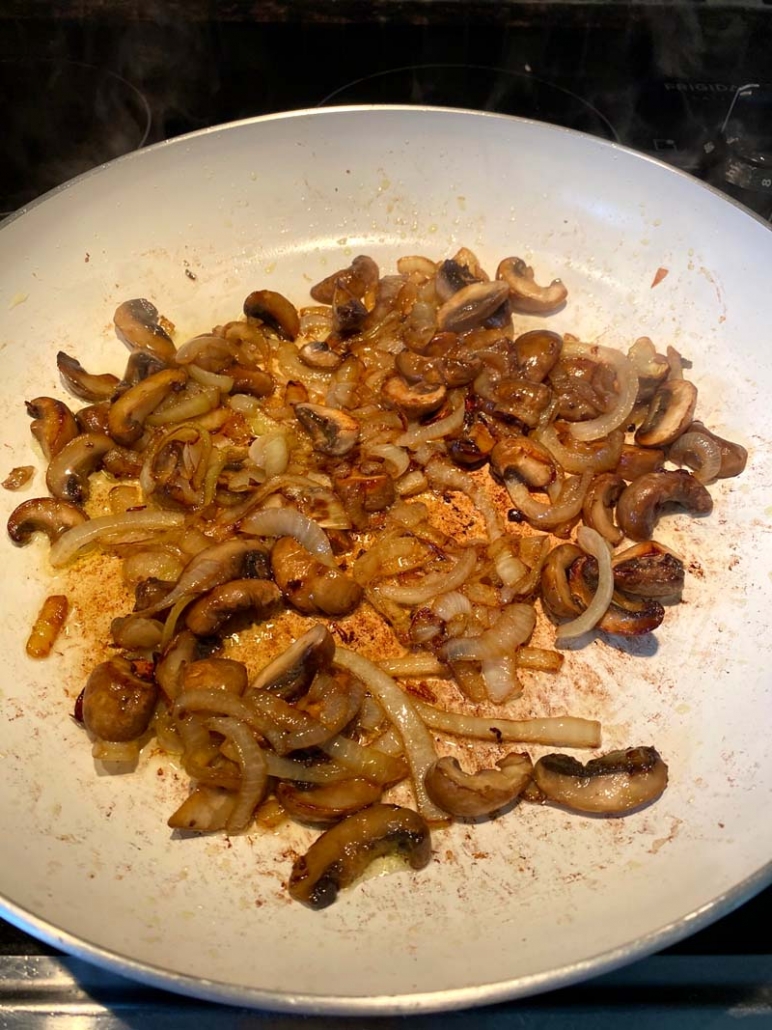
(128, 527)
(627, 388)
(592, 543)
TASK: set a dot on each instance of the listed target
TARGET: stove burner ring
(476, 87)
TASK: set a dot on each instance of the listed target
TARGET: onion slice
(400, 709)
(557, 731)
(254, 771)
(418, 434)
(278, 522)
(125, 528)
(592, 543)
(433, 583)
(627, 379)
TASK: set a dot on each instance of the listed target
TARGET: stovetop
(83, 81)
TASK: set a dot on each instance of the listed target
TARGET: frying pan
(540, 897)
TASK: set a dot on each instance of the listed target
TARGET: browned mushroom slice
(360, 276)
(613, 784)
(648, 570)
(94, 418)
(524, 292)
(87, 386)
(523, 458)
(48, 515)
(512, 399)
(328, 803)
(649, 496)
(310, 585)
(451, 277)
(597, 511)
(332, 431)
(638, 461)
(53, 424)
(625, 616)
(137, 324)
(364, 494)
(216, 674)
(67, 474)
(117, 703)
(536, 353)
(414, 399)
(128, 413)
(255, 598)
(290, 675)
(349, 313)
(252, 381)
(670, 412)
(274, 310)
(474, 447)
(471, 305)
(342, 853)
(472, 795)
(318, 355)
(555, 590)
(709, 456)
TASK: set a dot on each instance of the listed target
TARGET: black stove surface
(690, 83)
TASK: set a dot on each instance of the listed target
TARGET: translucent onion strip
(627, 381)
(559, 731)
(593, 543)
(254, 771)
(433, 583)
(277, 522)
(400, 709)
(452, 423)
(129, 527)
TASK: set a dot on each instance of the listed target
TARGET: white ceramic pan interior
(541, 897)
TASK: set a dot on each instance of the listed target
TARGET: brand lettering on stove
(701, 87)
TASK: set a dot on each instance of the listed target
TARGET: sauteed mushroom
(647, 497)
(670, 412)
(328, 803)
(48, 515)
(53, 424)
(274, 310)
(318, 355)
(332, 432)
(290, 674)
(648, 570)
(709, 456)
(68, 473)
(524, 293)
(471, 305)
(522, 457)
(216, 674)
(118, 704)
(87, 386)
(310, 585)
(253, 597)
(471, 795)
(343, 852)
(137, 325)
(536, 353)
(128, 413)
(414, 399)
(613, 784)
(597, 511)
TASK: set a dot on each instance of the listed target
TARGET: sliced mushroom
(319, 355)
(332, 432)
(638, 461)
(471, 795)
(471, 305)
(117, 703)
(613, 784)
(363, 494)
(67, 474)
(252, 381)
(216, 674)
(418, 368)
(652, 368)
(536, 353)
(523, 458)
(474, 448)
(137, 324)
(360, 276)
(329, 802)
(274, 310)
(290, 675)
(670, 412)
(95, 418)
(310, 585)
(649, 496)
(343, 852)
(47, 515)
(414, 399)
(140, 365)
(83, 384)
(53, 424)
(524, 293)
(648, 570)
(254, 597)
(625, 616)
(349, 313)
(709, 456)
(511, 398)
(123, 463)
(128, 413)
(555, 590)
(451, 277)
(598, 507)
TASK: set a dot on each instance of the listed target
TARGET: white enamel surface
(539, 897)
